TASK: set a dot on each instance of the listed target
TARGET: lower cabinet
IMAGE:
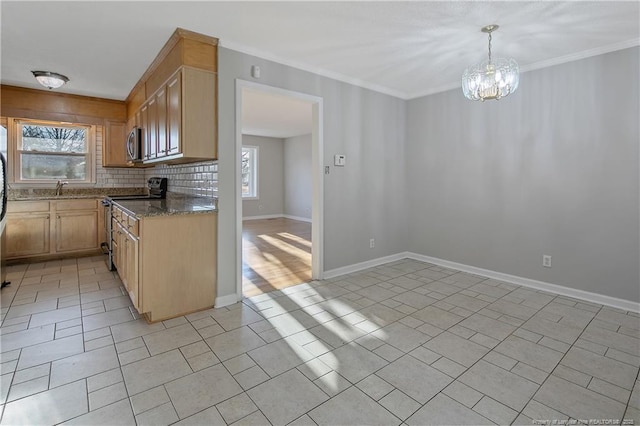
(27, 234)
(42, 229)
(76, 231)
(125, 258)
(167, 263)
(131, 272)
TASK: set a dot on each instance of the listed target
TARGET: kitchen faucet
(59, 186)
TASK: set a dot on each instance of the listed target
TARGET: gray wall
(270, 177)
(297, 176)
(552, 169)
(363, 200)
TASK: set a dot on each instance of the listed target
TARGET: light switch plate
(339, 160)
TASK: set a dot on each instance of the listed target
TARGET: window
(52, 151)
(249, 172)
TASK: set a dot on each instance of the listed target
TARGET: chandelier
(490, 79)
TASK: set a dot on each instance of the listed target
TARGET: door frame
(317, 176)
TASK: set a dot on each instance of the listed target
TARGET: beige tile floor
(405, 343)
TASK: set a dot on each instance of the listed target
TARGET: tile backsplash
(115, 178)
(198, 179)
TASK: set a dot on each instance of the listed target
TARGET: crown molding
(306, 67)
(444, 88)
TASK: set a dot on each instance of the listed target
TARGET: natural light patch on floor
(276, 254)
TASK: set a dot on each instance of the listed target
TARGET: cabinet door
(27, 234)
(76, 231)
(174, 114)
(131, 273)
(115, 247)
(113, 145)
(161, 102)
(152, 134)
(146, 131)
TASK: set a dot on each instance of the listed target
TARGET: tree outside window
(48, 151)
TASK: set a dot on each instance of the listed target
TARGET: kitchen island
(165, 254)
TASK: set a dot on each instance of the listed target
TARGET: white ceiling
(267, 114)
(406, 49)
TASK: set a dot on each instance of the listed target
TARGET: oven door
(134, 150)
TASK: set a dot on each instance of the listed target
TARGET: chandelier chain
(489, 46)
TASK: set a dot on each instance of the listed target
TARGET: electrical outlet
(372, 243)
(546, 261)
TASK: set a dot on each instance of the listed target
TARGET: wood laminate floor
(276, 253)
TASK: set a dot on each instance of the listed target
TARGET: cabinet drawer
(27, 206)
(76, 205)
(117, 214)
(132, 225)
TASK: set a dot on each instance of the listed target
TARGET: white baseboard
(300, 218)
(588, 296)
(266, 216)
(227, 300)
(276, 216)
(349, 269)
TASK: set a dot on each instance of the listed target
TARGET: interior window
(50, 151)
(249, 172)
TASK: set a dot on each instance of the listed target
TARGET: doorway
(277, 248)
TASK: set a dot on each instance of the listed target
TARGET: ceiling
(275, 116)
(405, 49)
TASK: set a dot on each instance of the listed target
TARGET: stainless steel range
(157, 191)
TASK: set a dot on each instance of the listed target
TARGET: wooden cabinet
(28, 229)
(131, 274)
(77, 225)
(115, 244)
(178, 94)
(166, 276)
(151, 151)
(125, 252)
(174, 114)
(181, 123)
(161, 122)
(46, 229)
(76, 231)
(145, 134)
(113, 145)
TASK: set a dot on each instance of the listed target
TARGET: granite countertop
(172, 205)
(35, 194)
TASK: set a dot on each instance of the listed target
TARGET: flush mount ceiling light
(50, 80)
(490, 79)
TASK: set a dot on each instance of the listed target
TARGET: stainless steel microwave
(134, 145)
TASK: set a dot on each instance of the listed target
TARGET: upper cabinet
(178, 116)
(113, 149)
